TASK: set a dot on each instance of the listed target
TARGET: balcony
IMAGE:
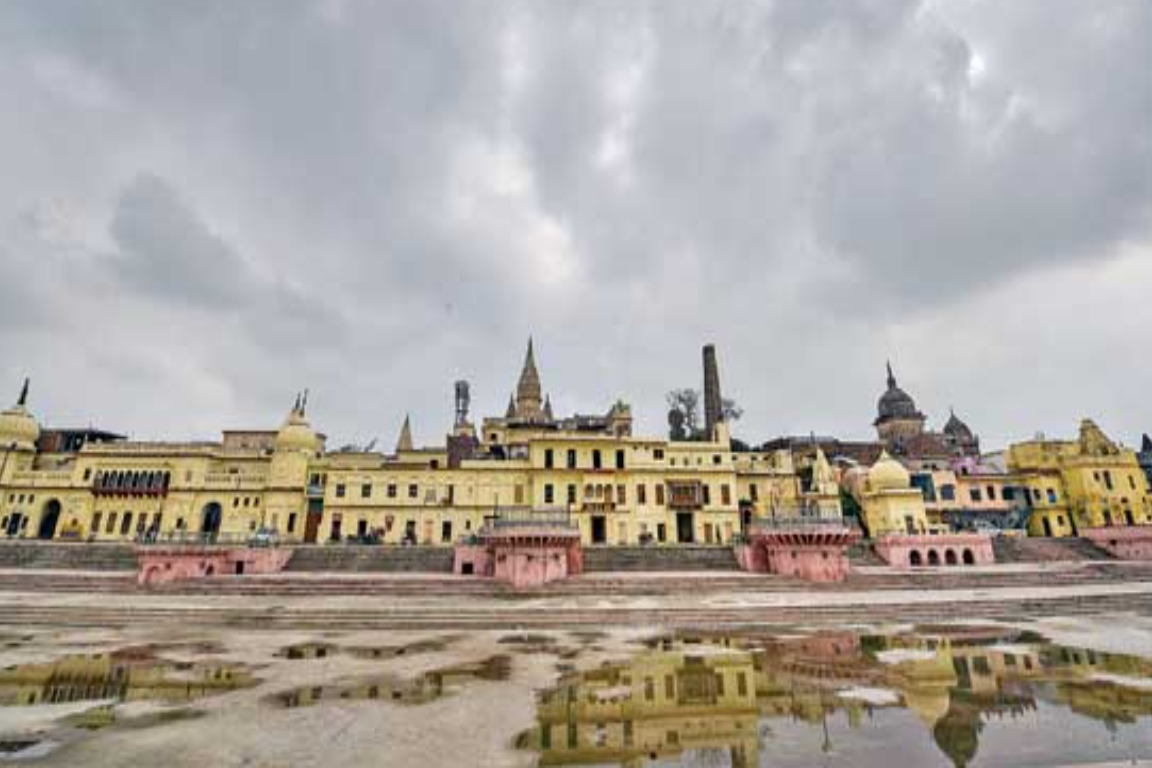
(525, 517)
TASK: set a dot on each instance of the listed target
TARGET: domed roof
(297, 434)
(887, 474)
(18, 428)
(895, 403)
(956, 428)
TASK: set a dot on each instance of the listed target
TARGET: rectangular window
(741, 684)
(111, 528)
(619, 459)
(641, 494)
(754, 492)
(716, 458)
(975, 494)
(340, 490)
(519, 494)
(291, 522)
(548, 458)
(991, 493)
(660, 494)
(571, 458)
(948, 492)
(413, 491)
(707, 494)
(87, 474)
(366, 491)
(391, 490)
(658, 454)
(596, 463)
(725, 495)
(96, 522)
(621, 495)
(571, 494)
(125, 523)
(1108, 479)
(548, 499)
(1051, 496)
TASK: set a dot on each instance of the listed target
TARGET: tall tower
(529, 402)
(713, 401)
(463, 400)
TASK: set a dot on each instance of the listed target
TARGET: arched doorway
(950, 557)
(49, 519)
(914, 558)
(969, 558)
(933, 557)
(210, 520)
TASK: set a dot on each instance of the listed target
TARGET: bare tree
(683, 413)
(731, 409)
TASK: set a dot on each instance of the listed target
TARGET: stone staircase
(863, 553)
(74, 556)
(682, 557)
(1012, 549)
(371, 559)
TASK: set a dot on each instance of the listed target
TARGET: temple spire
(304, 404)
(528, 395)
(405, 441)
(296, 405)
(511, 412)
(891, 376)
(23, 400)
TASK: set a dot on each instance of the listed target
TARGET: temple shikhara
(524, 495)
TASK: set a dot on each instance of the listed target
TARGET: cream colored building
(619, 488)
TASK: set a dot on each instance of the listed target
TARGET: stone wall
(1130, 543)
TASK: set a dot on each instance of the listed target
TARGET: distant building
(1090, 482)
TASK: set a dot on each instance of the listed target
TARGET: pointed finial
(304, 403)
(23, 393)
(296, 405)
(891, 376)
(404, 443)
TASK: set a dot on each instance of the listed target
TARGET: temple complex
(571, 481)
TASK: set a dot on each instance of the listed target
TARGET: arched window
(914, 558)
(969, 558)
(933, 557)
(950, 557)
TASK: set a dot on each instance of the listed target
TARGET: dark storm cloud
(377, 198)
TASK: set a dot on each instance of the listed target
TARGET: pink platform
(932, 550)
(158, 564)
(815, 553)
(522, 556)
(1130, 543)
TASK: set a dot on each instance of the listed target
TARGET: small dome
(887, 474)
(19, 429)
(297, 434)
(957, 429)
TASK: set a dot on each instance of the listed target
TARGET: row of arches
(132, 481)
(916, 558)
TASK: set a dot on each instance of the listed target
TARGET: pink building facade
(523, 556)
(935, 550)
(159, 564)
(1125, 543)
(811, 553)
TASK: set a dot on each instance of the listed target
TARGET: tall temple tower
(713, 401)
(529, 401)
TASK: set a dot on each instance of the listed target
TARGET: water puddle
(945, 696)
(395, 651)
(418, 690)
(126, 675)
(300, 651)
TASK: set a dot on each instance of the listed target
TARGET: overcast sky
(205, 207)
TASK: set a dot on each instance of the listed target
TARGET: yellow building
(1089, 482)
(888, 501)
(620, 489)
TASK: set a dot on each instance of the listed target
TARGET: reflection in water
(418, 690)
(843, 698)
(126, 675)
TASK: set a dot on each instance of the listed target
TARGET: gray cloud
(376, 198)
